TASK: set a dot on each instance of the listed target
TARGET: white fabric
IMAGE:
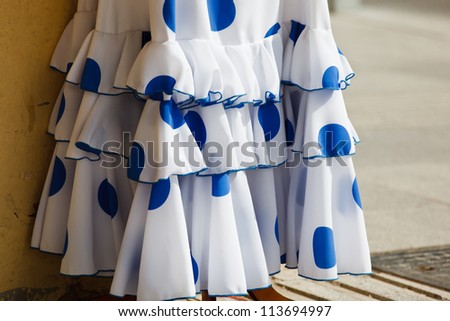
(317, 110)
(263, 81)
(99, 208)
(49, 232)
(73, 36)
(310, 48)
(103, 63)
(322, 245)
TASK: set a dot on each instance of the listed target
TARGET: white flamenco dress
(181, 142)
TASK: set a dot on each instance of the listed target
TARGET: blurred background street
(399, 103)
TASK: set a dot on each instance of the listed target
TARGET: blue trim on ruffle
(180, 298)
(96, 274)
(230, 171)
(250, 168)
(270, 98)
(190, 101)
(139, 98)
(179, 175)
(275, 273)
(180, 105)
(59, 70)
(123, 88)
(321, 156)
(291, 267)
(343, 84)
(205, 101)
(198, 173)
(337, 278)
(82, 158)
(229, 102)
(227, 295)
(356, 274)
(320, 280)
(99, 92)
(261, 288)
(87, 148)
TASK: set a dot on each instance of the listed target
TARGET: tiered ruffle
(178, 170)
(50, 228)
(73, 36)
(324, 224)
(90, 192)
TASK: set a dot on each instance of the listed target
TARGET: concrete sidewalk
(399, 103)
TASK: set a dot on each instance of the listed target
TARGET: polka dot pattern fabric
(175, 176)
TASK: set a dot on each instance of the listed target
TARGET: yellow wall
(29, 31)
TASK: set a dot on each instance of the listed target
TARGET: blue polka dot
(296, 30)
(171, 114)
(58, 177)
(136, 161)
(195, 269)
(340, 52)
(62, 108)
(290, 132)
(197, 127)
(277, 231)
(323, 248)
(221, 14)
(92, 76)
(334, 141)
(356, 196)
(160, 194)
(107, 198)
(273, 30)
(220, 185)
(159, 85)
(270, 120)
(330, 79)
(169, 14)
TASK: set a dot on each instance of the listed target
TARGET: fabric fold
(73, 36)
(312, 60)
